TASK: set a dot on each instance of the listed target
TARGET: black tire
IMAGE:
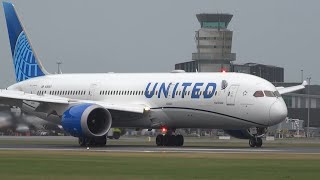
(166, 140)
(179, 140)
(116, 135)
(172, 140)
(100, 141)
(252, 142)
(159, 140)
(259, 142)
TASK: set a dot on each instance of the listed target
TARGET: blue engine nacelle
(86, 120)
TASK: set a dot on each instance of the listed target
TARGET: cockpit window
(258, 94)
(269, 94)
(277, 93)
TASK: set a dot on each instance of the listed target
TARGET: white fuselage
(176, 100)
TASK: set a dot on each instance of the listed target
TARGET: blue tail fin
(25, 63)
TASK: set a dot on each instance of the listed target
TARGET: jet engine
(86, 120)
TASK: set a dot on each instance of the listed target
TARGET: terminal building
(214, 54)
(268, 72)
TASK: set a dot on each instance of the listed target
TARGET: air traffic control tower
(214, 43)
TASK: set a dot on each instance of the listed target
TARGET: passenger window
(258, 94)
(269, 94)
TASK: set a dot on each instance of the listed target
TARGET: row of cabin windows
(121, 93)
(178, 93)
(62, 92)
(142, 93)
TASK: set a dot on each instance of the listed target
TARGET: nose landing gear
(255, 142)
(256, 137)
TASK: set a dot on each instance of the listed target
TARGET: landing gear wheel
(252, 142)
(159, 140)
(166, 140)
(100, 141)
(258, 142)
(172, 140)
(179, 140)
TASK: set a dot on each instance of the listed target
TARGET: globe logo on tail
(25, 63)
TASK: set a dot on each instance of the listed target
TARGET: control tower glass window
(213, 24)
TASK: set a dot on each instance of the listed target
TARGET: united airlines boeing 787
(88, 105)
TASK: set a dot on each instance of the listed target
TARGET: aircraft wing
(285, 90)
(7, 96)
(15, 98)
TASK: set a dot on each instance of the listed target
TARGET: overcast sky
(151, 36)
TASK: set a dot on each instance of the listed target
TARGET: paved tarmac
(70, 144)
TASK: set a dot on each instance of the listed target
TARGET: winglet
(305, 83)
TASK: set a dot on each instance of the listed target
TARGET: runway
(138, 145)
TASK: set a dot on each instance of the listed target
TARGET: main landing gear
(255, 142)
(96, 141)
(169, 139)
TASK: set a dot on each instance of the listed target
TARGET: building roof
(215, 18)
(256, 64)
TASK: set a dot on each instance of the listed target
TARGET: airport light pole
(308, 123)
(59, 68)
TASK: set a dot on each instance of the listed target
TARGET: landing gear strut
(97, 141)
(255, 142)
(169, 139)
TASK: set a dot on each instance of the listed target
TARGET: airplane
(88, 105)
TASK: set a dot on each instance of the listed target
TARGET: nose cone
(278, 112)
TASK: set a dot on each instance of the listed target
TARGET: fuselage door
(92, 90)
(231, 96)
